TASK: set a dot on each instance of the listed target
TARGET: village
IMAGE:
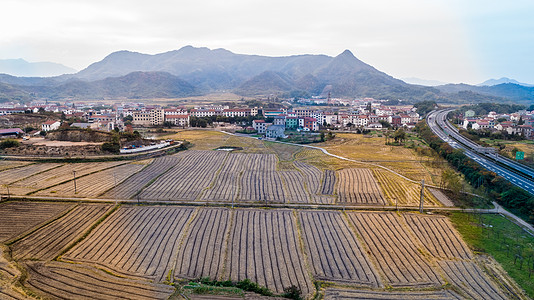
(269, 122)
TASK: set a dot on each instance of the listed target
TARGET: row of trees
(498, 188)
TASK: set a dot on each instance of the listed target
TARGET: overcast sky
(447, 40)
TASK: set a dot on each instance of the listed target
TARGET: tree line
(498, 188)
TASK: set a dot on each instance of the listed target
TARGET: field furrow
(359, 186)
(334, 252)
(394, 250)
(341, 294)
(294, 187)
(20, 216)
(261, 241)
(186, 180)
(58, 280)
(12, 175)
(131, 186)
(203, 249)
(438, 236)
(143, 241)
(48, 241)
(471, 280)
(95, 184)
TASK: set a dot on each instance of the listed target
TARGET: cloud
(421, 38)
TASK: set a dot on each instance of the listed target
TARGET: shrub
(111, 147)
(292, 292)
(9, 143)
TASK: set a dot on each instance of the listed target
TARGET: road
(517, 174)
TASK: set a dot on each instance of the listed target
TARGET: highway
(517, 174)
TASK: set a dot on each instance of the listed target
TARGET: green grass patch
(508, 243)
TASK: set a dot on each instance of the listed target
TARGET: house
(280, 120)
(469, 121)
(395, 120)
(50, 125)
(275, 131)
(310, 123)
(10, 132)
(260, 126)
(178, 120)
(292, 122)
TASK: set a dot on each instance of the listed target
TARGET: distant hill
(509, 91)
(425, 82)
(22, 68)
(196, 71)
(492, 82)
(135, 85)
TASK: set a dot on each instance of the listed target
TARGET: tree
(451, 181)
(399, 135)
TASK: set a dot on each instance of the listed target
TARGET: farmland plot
(48, 241)
(226, 186)
(394, 250)
(129, 187)
(8, 274)
(295, 190)
(264, 248)
(404, 192)
(10, 164)
(359, 186)
(438, 236)
(312, 178)
(470, 279)
(329, 182)
(203, 249)
(59, 175)
(185, 181)
(95, 184)
(261, 186)
(18, 217)
(339, 294)
(334, 252)
(259, 162)
(58, 280)
(135, 241)
(13, 175)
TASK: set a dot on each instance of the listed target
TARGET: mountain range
(193, 71)
(20, 67)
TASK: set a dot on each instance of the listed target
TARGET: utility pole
(74, 172)
(422, 196)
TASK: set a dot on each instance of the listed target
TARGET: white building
(50, 125)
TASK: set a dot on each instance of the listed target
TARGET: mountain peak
(346, 53)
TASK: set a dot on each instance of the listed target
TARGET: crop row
(48, 241)
(58, 280)
(136, 241)
(395, 250)
(359, 186)
(334, 252)
(274, 248)
(16, 174)
(95, 184)
(187, 179)
(128, 188)
(18, 217)
(62, 174)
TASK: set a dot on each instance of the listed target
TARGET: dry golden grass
(401, 190)
(200, 139)
(405, 161)
(249, 145)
